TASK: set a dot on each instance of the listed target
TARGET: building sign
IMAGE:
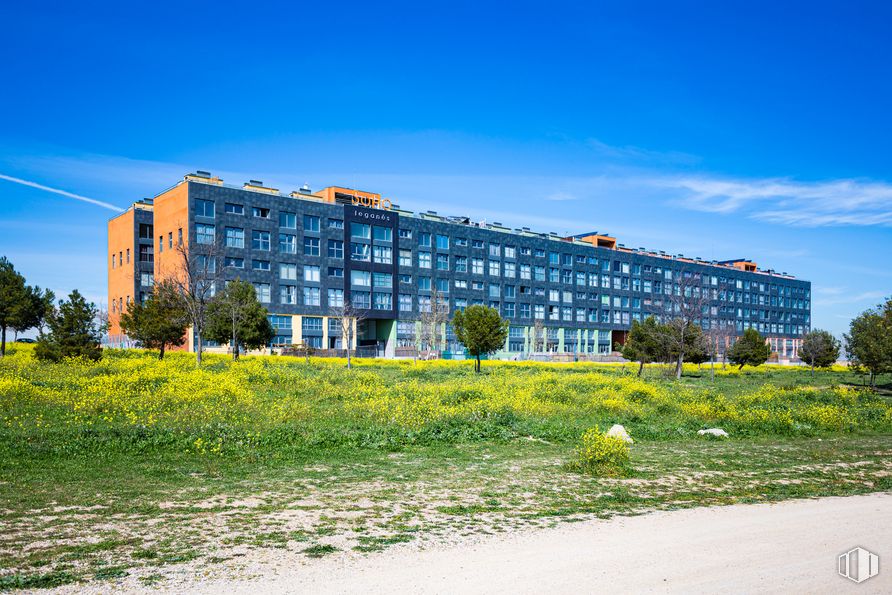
(373, 202)
(366, 215)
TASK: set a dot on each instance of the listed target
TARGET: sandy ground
(791, 547)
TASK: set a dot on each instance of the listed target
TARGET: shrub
(601, 455)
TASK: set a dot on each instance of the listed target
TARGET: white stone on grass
(617, 431)
(717, 432)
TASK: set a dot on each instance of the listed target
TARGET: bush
(601, 455)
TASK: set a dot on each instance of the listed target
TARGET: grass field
(139, 468)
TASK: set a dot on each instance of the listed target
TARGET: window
(539, 311)
(382, 254)
(461, 284)
(405, 234)
(510, 252)
(235, 237)
(363, 278)
(525, 271)
(311, 324)
(406, 279)
(477, 266)
(360, 252)
(287, 220)
(442, 262)
(508, 310)
(382, 234)
(405, 303)
(442, 242)
(477, 244)
(146, 279)
(405, 258)
(336, 272)
(145, 231)
(539, 273)
(525, 311)
(261, 212)
(383, 301)
(382, 280)
(311, 273)
(361, 299)
(287, 243)
(461, 241)
(312, 296)
(145, 254)
(288, 294)
(443, 285)
(335, 249)
(510, 291)
(288, 271)
(233, 209)
(335, 298)
(510, 269)
(494, 290)
(495, 250)
(204, 208)
(114, 260)
(424, 283)
(260, 265)
(525, 251)
(311, 246)
(170, 239)
(204, 234)
(461, 264)
(260, 240)
(494, 268)
(361, 230)
(424, 260)
(336, 224)
(424, 239)
(262, 290)
(311, 223)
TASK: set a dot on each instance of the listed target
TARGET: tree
(643, 342)
(750, 349)
(819, 349)
(195, 278)
(869, 341)
(72, 331)
(22, 307)
(349, 318)
(481, 330)
(701, 350)
(161, 321)
(235, 316)
(683, 305)
(537, 340)
(430, 333)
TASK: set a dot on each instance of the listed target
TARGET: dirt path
(786, 547)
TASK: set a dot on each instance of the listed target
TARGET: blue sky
(719, 130)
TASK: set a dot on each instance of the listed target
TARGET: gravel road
(790, 547)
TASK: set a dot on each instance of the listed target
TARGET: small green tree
(72, 331)
(700, 352)
(677, 339)
(750, 349)
(161, 321)
(481, 330)
(819, 349)
(869, 341)
(21, 307)
(643, 343)
(235, 316)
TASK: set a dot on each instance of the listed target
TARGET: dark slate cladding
(786, 300)
(372, 217)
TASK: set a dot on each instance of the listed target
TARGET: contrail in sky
(93, 201)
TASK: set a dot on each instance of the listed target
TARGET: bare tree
(538, 338)
(432, 320)
(685, 303)
(349, 317)
(195, 275)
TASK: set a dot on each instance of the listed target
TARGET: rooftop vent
(305, 189)
(202, 173)
(255, 182)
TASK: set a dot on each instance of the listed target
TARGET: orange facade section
(600, 241)
(122, 258)
(171, 214)
(328, 194)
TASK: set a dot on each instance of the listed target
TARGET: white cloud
(857, 298)
(776, 200)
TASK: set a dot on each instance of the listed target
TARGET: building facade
(309, 253)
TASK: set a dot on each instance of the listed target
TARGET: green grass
(127, 468)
